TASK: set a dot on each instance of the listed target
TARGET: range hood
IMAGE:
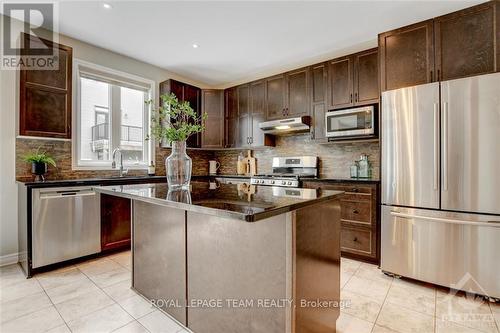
(284, 126)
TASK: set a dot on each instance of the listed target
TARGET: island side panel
(159, 256)
(317, 266)
(231, 259)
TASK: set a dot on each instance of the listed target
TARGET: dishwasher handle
(495, 224)
(65, 194)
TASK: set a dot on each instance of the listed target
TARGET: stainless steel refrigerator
(441, 183)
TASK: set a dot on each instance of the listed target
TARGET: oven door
(351, 122)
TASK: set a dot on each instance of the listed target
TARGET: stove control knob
(272, 181)
(283, 182)
(289, 183)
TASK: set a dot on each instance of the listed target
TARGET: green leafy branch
(39, 157)
(174, 120)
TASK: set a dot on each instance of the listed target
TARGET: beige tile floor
(95, 296)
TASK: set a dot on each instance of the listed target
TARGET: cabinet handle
(354, 190)
(355, 211)
(438, 75)
(355, 239)
(351, 97)
(355, 97)
(431, 77)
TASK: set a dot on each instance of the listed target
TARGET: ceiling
(239, 40)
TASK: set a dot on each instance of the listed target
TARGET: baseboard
(9, 259)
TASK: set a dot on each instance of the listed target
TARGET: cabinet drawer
(356, 211)
(356, 240)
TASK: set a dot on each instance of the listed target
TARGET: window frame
(148, 146)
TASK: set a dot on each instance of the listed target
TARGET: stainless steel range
(288, 171)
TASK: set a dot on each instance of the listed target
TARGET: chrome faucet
(123, 172)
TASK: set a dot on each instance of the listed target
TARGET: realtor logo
(27, 32)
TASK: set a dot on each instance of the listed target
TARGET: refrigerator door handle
(445, 146)
(494, 224)
(436, 145)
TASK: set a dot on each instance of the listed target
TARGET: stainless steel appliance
(440, 183)
(284, 126)
(355, 122)
(66, 224)
(287, 171)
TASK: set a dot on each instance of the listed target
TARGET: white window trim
(75, 146)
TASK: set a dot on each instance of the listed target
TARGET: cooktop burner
(287, 171)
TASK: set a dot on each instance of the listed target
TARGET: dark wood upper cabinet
(275, 100)
(407, 56)
(452, 46)
(231, 118)
(115, 222)
(258, 112)
(353, 80)
(366, 90)
(297, 93)
(318, 100)
(46, 95)
(189, 93)
(340, 86)
(466, 43)
(212, 102)
(245, 107)
(244, 119)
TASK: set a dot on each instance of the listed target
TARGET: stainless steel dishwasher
(66, 224)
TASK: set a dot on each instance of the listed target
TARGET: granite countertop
(94, 181)
(113, 180)
(248, 203)
(343, 180)
(162, 179)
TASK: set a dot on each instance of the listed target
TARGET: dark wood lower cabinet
(360, 230)
(115, 222)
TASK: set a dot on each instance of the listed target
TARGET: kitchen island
(237, 257)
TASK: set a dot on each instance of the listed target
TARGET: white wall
(9, 95)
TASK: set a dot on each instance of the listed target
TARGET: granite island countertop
(244, 202)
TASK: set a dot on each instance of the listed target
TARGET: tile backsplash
(61, 151)
(335, 159)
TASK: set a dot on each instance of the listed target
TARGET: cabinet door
(318, 100)
(45, 95)
(244, 119)
(231, 118)
(366, 77)
(407, 56)
(275, 97)
(212, 105)
(115, 222)
(297, 94)
(340, 83)
(465, 42)
(258, 113)
(193, 96)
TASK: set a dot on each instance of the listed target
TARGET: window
(111, 114)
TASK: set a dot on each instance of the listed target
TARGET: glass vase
(179, 166)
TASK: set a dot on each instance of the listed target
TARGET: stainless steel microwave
(355, 122)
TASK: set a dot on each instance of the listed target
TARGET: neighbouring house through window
(111, 113)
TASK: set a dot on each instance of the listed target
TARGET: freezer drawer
(470, 111)
(454, 250)
(65, 225)
(410, 146)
